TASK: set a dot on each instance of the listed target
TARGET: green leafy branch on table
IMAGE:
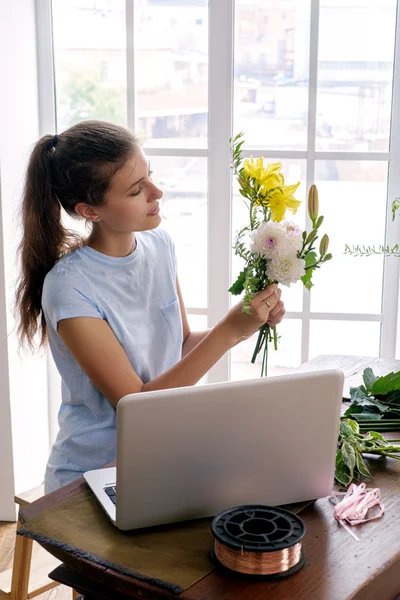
(352, 445)
(374, 405)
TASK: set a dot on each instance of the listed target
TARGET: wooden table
(337, 567)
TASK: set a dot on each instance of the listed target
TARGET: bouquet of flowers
(274, 250)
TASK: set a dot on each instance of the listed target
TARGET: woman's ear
(87, 212)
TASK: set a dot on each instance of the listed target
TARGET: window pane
(353, 201)
(184, 212)
(344, 337)
(198, 323)
(355, 74)
(271, 72)
(171, 72)
(293, 171)
(284, 360)
(89, 59)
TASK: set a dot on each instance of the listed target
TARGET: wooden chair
(27, 577)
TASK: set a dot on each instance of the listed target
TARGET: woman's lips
(154, 212)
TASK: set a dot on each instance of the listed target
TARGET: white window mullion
(130, 65)
(45, 67)
(47, 124)
(392, 264)
(220, 60)
(312, 121)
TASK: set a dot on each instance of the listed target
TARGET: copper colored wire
(258, 563)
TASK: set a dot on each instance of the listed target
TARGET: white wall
(19, 129)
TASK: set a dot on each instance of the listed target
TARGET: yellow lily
(254, 168)
(281, 200)
(277, 205)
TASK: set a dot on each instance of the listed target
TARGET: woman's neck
(117, 245)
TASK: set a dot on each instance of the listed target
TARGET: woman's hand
(277, 313)
(241, 325)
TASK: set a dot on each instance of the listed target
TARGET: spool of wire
(258, 542)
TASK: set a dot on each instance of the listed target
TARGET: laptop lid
(192, 452)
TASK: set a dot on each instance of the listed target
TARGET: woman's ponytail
(43, 239)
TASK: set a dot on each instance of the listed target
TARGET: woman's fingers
(277, 309)
(276, 319)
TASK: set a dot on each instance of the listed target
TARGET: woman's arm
(95, 347)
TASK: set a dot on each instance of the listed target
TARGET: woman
(110, 305)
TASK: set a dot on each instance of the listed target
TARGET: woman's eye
(137, 193)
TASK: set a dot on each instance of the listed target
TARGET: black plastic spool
(257, 528)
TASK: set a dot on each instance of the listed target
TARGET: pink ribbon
(356, 503)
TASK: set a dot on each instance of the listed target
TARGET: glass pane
(293, 171)
(89, 61)
(284, 360)
(271, 72)
(344, 337)
(171, 72)
(198, 323)
(353, 201)
(184, 212)
(355, 75)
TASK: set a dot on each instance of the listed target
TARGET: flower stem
(258, 345)
(275, 338)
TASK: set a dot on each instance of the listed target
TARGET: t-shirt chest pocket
(172, 314)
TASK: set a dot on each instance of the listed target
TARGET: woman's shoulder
(158, 237)
(65, 271)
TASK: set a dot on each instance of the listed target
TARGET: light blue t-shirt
(137, 296)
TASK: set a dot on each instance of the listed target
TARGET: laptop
(192, 452)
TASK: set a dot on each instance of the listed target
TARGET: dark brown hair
(76, 166)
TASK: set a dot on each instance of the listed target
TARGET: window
(329, 111)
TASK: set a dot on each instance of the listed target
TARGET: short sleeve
(66, 295)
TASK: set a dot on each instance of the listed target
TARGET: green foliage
(306, 279)
(352, 445)
(378, 400)
(84, 96)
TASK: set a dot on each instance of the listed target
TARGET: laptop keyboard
(111, 492)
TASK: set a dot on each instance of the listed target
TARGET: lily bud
(313, 205)
(319, 222)
(323, 247)
(311, 236)
(327, 257)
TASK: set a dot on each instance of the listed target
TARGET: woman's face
(132, 201)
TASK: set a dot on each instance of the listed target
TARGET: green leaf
(376, 436)
(392, 397)
(362, 399)
(387, 383)
(354, 425)
(361, 466)
(342, 474)
(346, 429)
(366, 416)
(369, 378)
(310, 258)
(238, 287)
(349, 456)
(306, 279)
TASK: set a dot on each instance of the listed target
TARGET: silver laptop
(193, 452)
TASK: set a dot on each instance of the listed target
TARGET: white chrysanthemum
(294, 234)
(269, 238)
(285, 268)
